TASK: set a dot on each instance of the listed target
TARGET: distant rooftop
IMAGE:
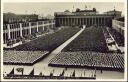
(77, 12)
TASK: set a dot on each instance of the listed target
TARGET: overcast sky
(44, 8)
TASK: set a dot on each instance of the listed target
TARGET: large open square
(64, 41)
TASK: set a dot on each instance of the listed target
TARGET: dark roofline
(112, 11)
(84, 11)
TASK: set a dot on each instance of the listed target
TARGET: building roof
(86, 11)
(113, 11)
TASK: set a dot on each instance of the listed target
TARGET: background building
(85, 17)
(14, 18)
(18, 27)
(114, 12)
(118, 25)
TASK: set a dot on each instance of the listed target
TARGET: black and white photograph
(64, 40)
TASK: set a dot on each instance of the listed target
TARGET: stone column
(104, 21)
(92, 20)
(98, 21)
(83, 21)
(52, 23)
(42, 25)
(71, 21)
(68, 22)
(58, 21)
(65, 22)
(14, 34)
(61, 21)
(30, 28)
(80, 21)
(37, 27)
(9, 36)
(77, 21)
(95, 20)
(86, 21)
(21, 30)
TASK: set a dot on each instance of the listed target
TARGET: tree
(20, 70)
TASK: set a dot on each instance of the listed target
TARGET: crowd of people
(23, 57)
(48, 42)
(91, 39)
(111, 43)
(117, 36)
(89, 59)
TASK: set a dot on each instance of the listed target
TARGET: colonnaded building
(17, 27)
(87, 17)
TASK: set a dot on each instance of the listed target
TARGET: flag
(53, 71)
(32, 72)
(20, 70)
(62, 74)
(84, 72)
(66, 68)
(73, 6)
(95, 73)
(40, 74)
(73, 74)
(12, 72)
(85, 7)
(51, 74)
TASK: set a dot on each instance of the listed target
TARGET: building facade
(114, 12)
(15, 18)
(84, 17)
(16, 30)
(118, 25)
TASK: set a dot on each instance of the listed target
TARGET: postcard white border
(12, 1)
